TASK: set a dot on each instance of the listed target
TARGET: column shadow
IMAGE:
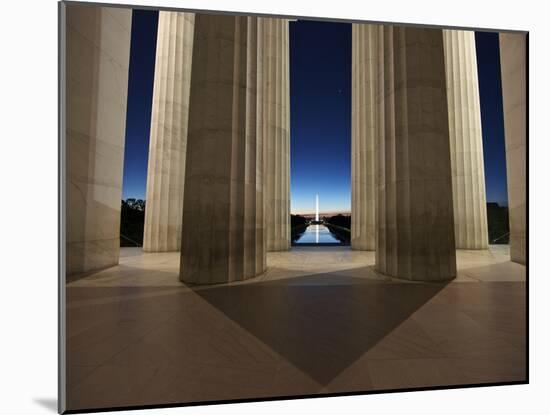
(320, 323)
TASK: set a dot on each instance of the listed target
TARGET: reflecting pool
(316, 234)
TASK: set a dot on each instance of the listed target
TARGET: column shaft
(513, 62)
(98, 51)
(364, 132)
(470, 206)
(223, 226)
(277, 132)
(415, 235)
(168, 137)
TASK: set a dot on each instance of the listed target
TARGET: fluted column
(168, 137)
(469, 202)
(364, 117)
(223, 225)
(415, 235)
(97, 51)
(277, 132)
(513, 67)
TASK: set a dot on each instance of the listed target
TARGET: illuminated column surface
(470, 206)
(513, 61)
(98, 51)
(276, 122)
(168, 138)
(223, 224)
(364, 131)
(415, 235)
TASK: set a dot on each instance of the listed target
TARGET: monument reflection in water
(317, 234)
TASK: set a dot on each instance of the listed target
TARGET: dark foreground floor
(319, 333)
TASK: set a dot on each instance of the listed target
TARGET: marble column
(97, 53)
(513, 67)
(415, 235)
(470, 205)
(223, 236)
(168, 137)
(364, 78)
(277, 132)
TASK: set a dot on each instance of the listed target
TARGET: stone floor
(320, 320)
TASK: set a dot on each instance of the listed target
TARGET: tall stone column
(168, 137)
(223, 236)
(513, 64)
(364, 117)
(277, 132)
(415, 235)
(98, 51)
(470, 205)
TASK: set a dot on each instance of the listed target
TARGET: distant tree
(498, 224)
(298, 225)
(339, 225)
(132, 219)
(139, 204)
(340, 220)
(297, 220)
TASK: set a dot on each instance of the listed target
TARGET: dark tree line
(340, 227)
(132, 219)
(298, 225)
(297, 220)
(340, 220)
(498, 224)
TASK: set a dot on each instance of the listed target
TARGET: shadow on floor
(321, 323)
(144, 345)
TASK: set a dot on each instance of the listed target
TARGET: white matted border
(28, 203)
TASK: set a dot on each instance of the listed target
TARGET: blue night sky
(492, 119)
(140, 99)
(320, 116)
(320, 113)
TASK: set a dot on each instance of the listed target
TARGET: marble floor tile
(320, 320)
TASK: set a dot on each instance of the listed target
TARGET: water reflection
(316, 234)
